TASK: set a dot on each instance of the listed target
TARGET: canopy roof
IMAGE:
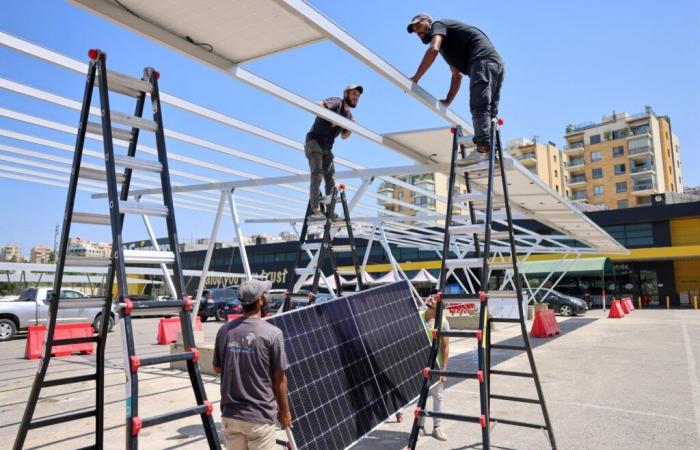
(584, 266)
(423, 276)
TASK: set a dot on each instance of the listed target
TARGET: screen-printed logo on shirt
(243, 345)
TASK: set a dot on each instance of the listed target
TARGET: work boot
(438, 434)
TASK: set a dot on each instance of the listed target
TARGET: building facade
(40, 254)
(622, 161)
(11, 253)
(78, 247)
(542, 159)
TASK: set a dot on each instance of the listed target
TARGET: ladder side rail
(60, 264)
(286, 306)
(518, 288)
(325, 242)
(351, 240)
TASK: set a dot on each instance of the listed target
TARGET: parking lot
(628, 383)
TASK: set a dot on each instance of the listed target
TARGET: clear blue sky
(566, 62)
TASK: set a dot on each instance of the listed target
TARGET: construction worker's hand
(285, 419)
(445, 102)
(443, 379)
(415, 78)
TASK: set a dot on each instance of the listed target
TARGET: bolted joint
(136, 425)
(480, 376)
(416, 412)
(479, 335)
(341, 186)
(188, 303)
(482, 296)
(482, 421)
(453, 130)
(93, 53)
(501, 121)
(438, 297)
(128, 306)
(210, 407)
(134, 363)
(195, 357)
(426, 373)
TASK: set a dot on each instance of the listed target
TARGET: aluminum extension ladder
(496, 166)
(119, 206)
(317, 251)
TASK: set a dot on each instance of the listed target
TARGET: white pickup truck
(32, 308)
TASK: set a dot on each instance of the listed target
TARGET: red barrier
(545, 324)
(630, 303)
(625, 306)
(231, 317)
(616, 311)
(168, 329)
(35, 340)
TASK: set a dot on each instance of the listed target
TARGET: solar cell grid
(354, 361)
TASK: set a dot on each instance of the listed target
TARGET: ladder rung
(83, 261)
(481, 169)
(89, 302)
(62, 381)
(508, 347)
(518, 423)
(457, 333)
(453, 374)
(174, 415)
(156, 308)
(91, 218)
(469, 197)
(77, 340)
(305, 271)
(148, 257)
(466, 140)
(450, 416)
(311, 246)
(132, 207)
(511, 373)
(504, 320)
(153, 360)
(326, 199)
(137, 163)
(339, 222)
(133, 121)
(514, 399)
(502, 294)
(124, 84)
(341, 248)
(117, 133)
(99, 175)
(62, 419)
(346, 272)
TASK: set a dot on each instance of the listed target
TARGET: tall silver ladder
(318, 250)
(495, 166)
(119, 206)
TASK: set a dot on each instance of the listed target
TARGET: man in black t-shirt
(468, 51)
(319, 145)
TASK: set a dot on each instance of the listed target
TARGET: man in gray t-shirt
(249, 355)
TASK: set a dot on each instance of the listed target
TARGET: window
(595, 156)
(555, 158)
(598, 191)
(595, 139)
(617, 134)
(556, 173)
(621, 187)
(597, 173)
(632, 235)
(557, 187)
(618, 151)
(400, 195)
(620, 169)
(622, 203)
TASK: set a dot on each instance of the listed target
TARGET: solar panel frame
(348, 366)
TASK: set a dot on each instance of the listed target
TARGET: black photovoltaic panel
(353, 362)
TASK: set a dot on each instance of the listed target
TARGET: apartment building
(428, 182)
(83, 248)
(622, 161)
(11, 253)
(40, 254)
(542, 159)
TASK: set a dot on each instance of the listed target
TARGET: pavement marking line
(692, 376)
(622, 410)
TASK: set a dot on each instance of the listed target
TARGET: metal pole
(156, 247)
(239, 235)
(210, 250)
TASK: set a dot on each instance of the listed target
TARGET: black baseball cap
(417, 18)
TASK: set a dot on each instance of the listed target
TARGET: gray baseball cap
(252, 290)
(417, 18)
(350, 87)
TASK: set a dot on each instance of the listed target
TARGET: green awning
(584, 266)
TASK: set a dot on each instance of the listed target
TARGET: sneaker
(423, 432)
(474, 157)
(439, 435)
(316, 216)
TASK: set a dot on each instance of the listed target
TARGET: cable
(204, 45)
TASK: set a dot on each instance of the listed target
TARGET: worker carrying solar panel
(319, 145)
(468, 51)
(249, 354)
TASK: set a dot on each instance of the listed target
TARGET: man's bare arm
(279, 384)
(217, 369)
(428, 58)
(455, 83)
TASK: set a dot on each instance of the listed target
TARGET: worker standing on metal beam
(468, 51)
(319, 145)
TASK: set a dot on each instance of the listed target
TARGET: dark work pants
(485, 80)
(322, 168)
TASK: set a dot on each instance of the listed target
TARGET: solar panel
(353, 362)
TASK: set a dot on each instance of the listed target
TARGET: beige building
(40, 254)
(429, 182)
(542, 159)
(622, 161)
(11, 253)
(83, 248)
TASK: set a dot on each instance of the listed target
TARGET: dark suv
(219, 303)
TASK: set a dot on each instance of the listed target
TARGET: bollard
(639, 301)
(668, 302)
(695, 301)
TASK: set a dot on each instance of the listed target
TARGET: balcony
(527, 159)
(576, 180)
(644, 187)
(644, 169)
(574, 149)
(575, 164)
(577, 196)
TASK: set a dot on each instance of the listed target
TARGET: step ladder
(319, 250)
(119, 206)
(495, 166)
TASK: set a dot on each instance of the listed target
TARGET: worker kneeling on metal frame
(249, 354)
(468, 51)
(319, 145)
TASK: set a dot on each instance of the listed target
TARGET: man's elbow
(217, 369)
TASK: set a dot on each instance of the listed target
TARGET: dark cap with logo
(417, 18)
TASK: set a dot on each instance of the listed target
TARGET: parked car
(576, 291)
(565, 305)
(219, 303)
(32, 308)
(276, 299)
